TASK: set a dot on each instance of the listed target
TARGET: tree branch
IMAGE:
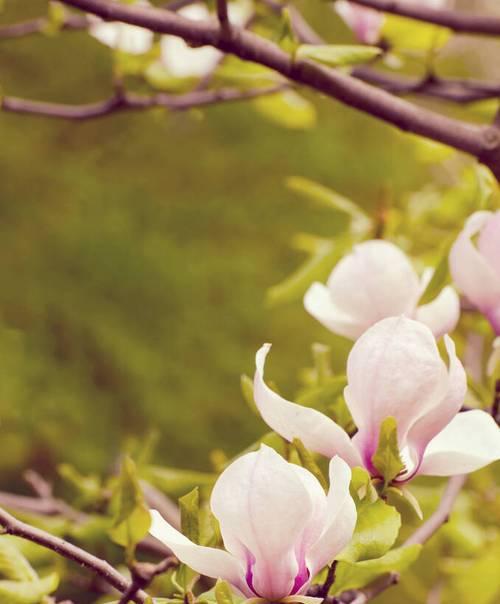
(131, 102)
(462, 22)
(142, 575)
(34, 26)
(480, 141)
(100, 567)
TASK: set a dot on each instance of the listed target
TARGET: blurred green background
(137, 250)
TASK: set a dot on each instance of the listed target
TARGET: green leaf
(28, 592)
(407, 34)
(176, 482)
(246, 385)
(307, 461)
(131, 520)
(337, 55)
(376, 531)
(353, 575)
(88, 488)
(440, 276)
(361, 487)
(190, 515)
(288, 109)
(405, 503)
(387, 459)
(327, 198)
(223, 592)
(315, 268)
(13, 565)
(487, 186)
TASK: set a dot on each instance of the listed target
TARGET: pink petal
(207, 561)
(471, 271)
(469, 442)
(252, 499)
(488, 242)
(364, 22)
(341, 515)
(318, 303)
(394, 369)
(317, 431)
(442, 314)
(434, 420)
(376, 280)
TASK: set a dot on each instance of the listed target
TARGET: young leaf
(223, 593)
(354, 575)
(288, 109)
(338, 55)
(131, 520)
(440, 275)
(405, 503)
(28, 592)
(190, 515)
(387, 459)
(246, 385)
(376, 531)
(307, 461)
(174, 481)
(361, 487)
(13, 565)
(327, 198)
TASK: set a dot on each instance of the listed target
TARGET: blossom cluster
(278, 526)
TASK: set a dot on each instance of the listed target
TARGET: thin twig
(143, 574)
(100, 567)
(458, 21)
(134, 102)
(39, 25)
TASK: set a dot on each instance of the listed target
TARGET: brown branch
(100, 567)
(143, 574)
(462, 22)
(482, 142)
(39, 25)
(131, 102)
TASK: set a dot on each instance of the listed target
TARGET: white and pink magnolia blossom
(377, 280)
(475, 264)
(278, 526)
(366, 23)
(127, 38)
(394, 370)
(184, 61)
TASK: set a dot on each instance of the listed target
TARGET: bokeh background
(137, 251)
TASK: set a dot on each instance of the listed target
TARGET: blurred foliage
(137, 253)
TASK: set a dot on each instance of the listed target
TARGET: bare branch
(34, 26)
(480, 141)
(463, 22)
(100, 567)
(143, 574)
(222, 14)
(131, 102)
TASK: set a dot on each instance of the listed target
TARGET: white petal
(376, 280)
(318, 303)
(261, 502)
(435, 419)
(471, 271)
(317, 431)
(469, 442)
(182, 61)
(207, 561)
(394, 369)
(442, 314)
(488, 242)
(341, 516)
(121, 36)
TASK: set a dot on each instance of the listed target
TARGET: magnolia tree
(329, 505)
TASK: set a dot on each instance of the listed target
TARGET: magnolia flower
(183, 61)
(367, 23)
(376, 280)
(394, 370)
(278, 526)
(131, 39)
(475, 264)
